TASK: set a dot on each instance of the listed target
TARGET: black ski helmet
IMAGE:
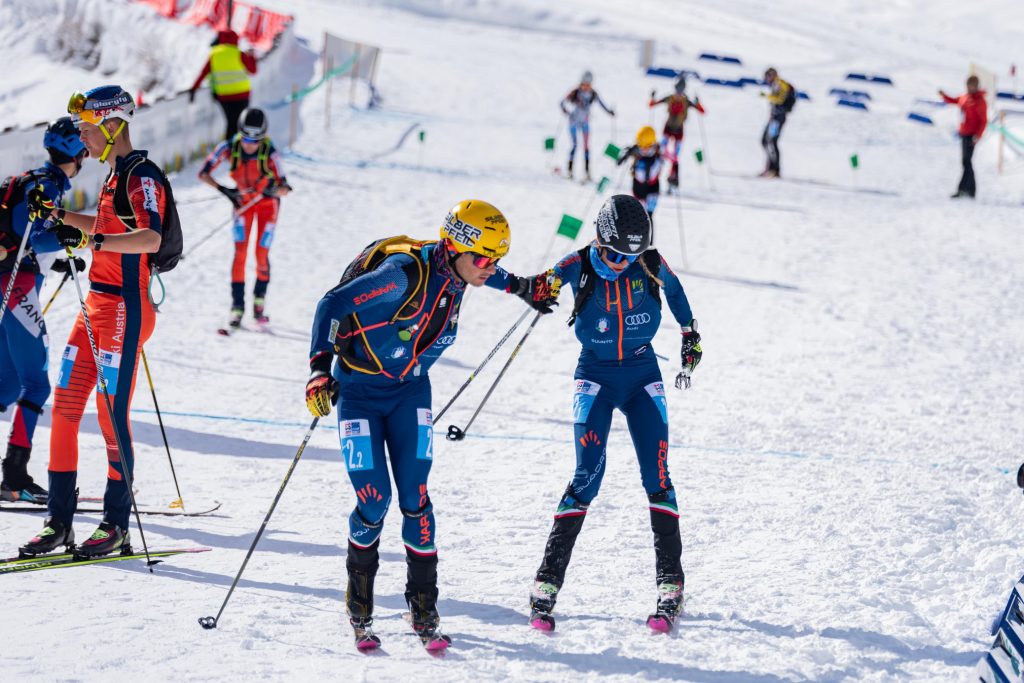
(680, 84)
(624, 226)
(252, 123)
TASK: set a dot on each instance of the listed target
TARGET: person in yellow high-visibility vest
(228, 69)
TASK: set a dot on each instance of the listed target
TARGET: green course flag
(423, 135)
(700, 156)
(603, 183)
(612, 151)
(570, 226)
(549, 143)
(854, 161)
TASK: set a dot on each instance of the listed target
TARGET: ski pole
(235, 214)
(456, 434)
(66, 277)
(480, 367)
(14, 270)
(125, 473)
(211, 622)
(180, 503)
(682, 233)
(704, 149)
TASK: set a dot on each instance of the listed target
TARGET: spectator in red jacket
(228, 69)
(973, 119)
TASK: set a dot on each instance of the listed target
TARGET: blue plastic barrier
(920, 118)
(882, 80)
(850, 94)
(747, 80)
(853, 104)
(1004, 95)
(932, 103)
(801, 95)
(720, 58)
(662, 71)
(723, 82)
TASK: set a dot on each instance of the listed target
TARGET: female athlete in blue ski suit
(388, 326)
(617, 368)
(24, 352)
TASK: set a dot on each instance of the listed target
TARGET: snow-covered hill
(842, 458)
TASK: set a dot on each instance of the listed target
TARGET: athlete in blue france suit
(618, 282)
(394, 313)
(25, 202)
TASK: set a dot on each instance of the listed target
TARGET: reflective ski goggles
(94, 111)
(617, 258)
(483, 262)
(251, 140)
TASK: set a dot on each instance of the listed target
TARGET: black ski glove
(62, 265)
(1020, 477)
(70, 237)
(233, 195)
(540, 292)
(691, 354)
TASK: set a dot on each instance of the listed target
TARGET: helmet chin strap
(110, 140)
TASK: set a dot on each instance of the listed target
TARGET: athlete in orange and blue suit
(259, 184)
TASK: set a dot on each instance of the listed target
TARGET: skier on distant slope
(259, 185)
(646, 168)
(25, 202)
(782, 97)
(678, 105)
(619, 282)
(125, 239)
(395, 311)
(580, 100)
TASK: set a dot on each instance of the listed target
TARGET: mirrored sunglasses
(617, 258)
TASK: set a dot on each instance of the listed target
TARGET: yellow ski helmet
(646, 137)
(476, 226)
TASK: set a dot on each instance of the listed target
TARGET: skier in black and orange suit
(259, 185)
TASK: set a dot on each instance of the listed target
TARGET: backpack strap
(122, 206)
(652, 265)
(588, 280)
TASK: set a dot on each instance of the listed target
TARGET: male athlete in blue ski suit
(24, 354)
(617, 368)
(394, 313)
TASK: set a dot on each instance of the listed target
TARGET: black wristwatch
(97, 241)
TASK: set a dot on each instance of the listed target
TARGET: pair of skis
(88, 505)
(13, 565)
(433, 640)
(662, 621)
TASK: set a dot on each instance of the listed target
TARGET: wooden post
(327, 95)
(352, 75)
(1002, 142)
(294, 125)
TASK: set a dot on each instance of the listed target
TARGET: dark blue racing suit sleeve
(568, 270)
(40, 239)
(674, 294)
(386, 284)
(502, 279)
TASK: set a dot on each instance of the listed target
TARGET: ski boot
(105, 540)
(670, 601)
(54, 535)
(362, 566)
(426, 621)
(542, 602)
(17, 484)
(235, 319)
(257, 312)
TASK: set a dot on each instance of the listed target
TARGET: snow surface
(843, 459)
